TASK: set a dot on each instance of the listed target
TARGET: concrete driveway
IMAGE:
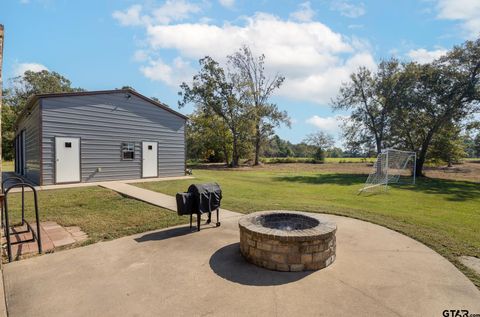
(174, 272)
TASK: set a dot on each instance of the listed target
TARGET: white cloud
(174, 10)
(347, 9)
(314, 59)
(20, 68)
(331, 125)
(131, 16)
(227, 3)
(423, 56)
(304, 13)
(158, 70)
(170, 11)
(140, 56)
(179, 71)
(467, 12)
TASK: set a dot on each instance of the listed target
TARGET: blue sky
(155, 45)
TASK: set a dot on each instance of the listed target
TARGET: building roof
(34, 98)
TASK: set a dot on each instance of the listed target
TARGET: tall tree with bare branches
(259, 88)
(215, 93)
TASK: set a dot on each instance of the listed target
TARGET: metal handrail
(36, 235)
(19, 181)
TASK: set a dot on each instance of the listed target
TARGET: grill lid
(206, 197)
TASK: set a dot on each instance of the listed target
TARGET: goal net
(392, 166)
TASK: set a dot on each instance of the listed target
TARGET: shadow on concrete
(229, 264)
(172, 233)
(166, 234)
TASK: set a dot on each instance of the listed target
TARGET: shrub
(319, 156)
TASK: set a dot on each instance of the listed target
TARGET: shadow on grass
(452, 190)
(229, 264)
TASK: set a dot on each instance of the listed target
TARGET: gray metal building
(98, 136)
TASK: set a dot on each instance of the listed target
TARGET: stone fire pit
(287, 240)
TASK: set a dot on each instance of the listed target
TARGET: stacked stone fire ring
(287, 240)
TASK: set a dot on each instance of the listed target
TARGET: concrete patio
(173, 272)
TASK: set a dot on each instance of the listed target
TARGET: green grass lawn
(442, 214)
(101, 213)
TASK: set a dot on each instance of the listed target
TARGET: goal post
(391, 167)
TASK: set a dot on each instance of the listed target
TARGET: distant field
(471, 159)
(274, 160)
(7, 166)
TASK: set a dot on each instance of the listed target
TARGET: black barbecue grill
(199, 199)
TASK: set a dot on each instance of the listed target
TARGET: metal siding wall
(31, 124)
(103, 122)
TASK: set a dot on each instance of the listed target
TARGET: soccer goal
(392, 166)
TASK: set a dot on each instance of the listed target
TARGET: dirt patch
(468, 171)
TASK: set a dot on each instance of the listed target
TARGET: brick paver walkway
(52, 236)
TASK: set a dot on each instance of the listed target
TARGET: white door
(67, 160)
(149, 159)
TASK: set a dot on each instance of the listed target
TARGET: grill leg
(218, 218)
(198, 221)
(209, 217)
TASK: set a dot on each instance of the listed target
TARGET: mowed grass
(101, 213)
(442, 214)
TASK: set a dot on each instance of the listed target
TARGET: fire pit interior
(287, 241)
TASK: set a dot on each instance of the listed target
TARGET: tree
(448, 145)
(215, 93)
(258, 88)
(17, 95)
(276, 147)
(30, 83)
(407, 105)
(322, 142)
(436, 95)
(303, 150)
(320, 139)
(334, 152)
(469, 144)
(370, 97)
(208, 138)
(477, 145)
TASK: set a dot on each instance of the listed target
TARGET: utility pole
(1, 98)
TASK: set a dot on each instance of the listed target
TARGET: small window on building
(128, 151)
(150, 147)
(68, 144)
